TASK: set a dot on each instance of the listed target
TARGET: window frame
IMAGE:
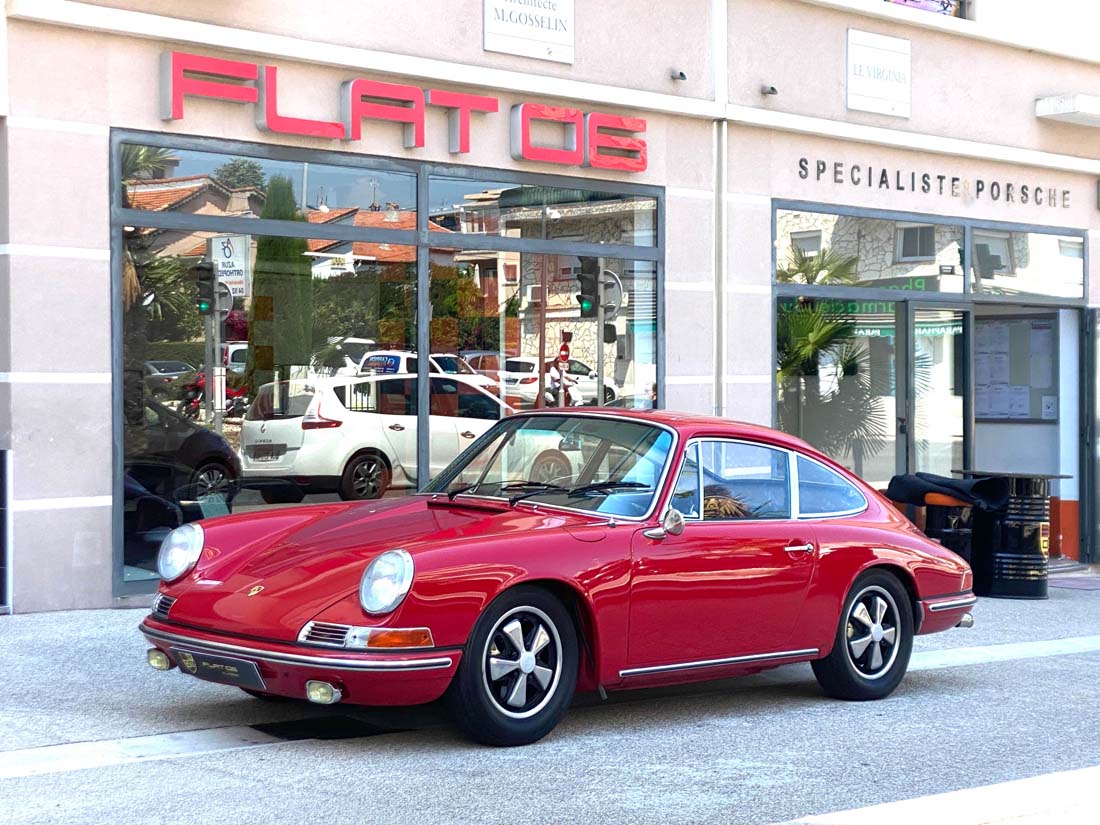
(900, 228)
(834, 514)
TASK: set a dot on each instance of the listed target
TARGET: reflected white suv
(355, 435)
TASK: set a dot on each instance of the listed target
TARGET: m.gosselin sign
(907, 180)
(595, 139)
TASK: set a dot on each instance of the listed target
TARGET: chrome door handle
(397, 427)
(467, 434)
(800, 548)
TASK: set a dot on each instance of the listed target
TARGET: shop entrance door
(934, 423)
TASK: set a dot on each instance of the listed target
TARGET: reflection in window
(822, 492)
(1028, 263)
(949, 8)
(743, 481)
(861, 251)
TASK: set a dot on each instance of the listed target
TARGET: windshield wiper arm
(606, 486)
(531, 488)
(465, 488)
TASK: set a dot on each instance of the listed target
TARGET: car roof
(691, 425)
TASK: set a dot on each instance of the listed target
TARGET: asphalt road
(763, 749)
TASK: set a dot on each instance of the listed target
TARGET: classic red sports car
(597, 550)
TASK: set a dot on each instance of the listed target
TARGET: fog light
(158, 659)
(322, 693)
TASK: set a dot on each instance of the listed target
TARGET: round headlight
(386, 581)
(179, 551)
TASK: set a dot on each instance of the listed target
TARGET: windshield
(453, 364)
(605, 465)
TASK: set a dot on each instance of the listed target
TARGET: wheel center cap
(876, 633)
(527, 662)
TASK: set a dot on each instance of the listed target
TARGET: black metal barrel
(1010, 549)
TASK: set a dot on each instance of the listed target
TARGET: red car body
(717, 600)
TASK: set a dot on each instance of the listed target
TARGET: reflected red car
(564, 550)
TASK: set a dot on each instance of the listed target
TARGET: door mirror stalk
(672, 524)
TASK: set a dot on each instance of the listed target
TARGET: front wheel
(519, 670)
(873, 641)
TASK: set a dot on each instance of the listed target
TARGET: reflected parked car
(181, 472)
(525, 386)
(679, 548)
(161, 377)
(356, 435)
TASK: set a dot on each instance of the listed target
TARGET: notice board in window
(1016, 368)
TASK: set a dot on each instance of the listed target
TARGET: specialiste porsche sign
(593, 139)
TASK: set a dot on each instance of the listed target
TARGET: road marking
(1064, 798)
(79, 755)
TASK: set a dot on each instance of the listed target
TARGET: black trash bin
(1009, 555)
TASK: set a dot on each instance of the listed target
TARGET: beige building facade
(965, 310)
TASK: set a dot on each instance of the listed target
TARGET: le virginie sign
(593, 139)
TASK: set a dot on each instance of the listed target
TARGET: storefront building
(891, 268)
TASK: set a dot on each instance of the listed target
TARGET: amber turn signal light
(400, 637)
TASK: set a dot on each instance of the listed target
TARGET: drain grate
(322, 727)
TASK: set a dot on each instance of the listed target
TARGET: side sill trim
(734, 660)
(953, 604)
(331, 662)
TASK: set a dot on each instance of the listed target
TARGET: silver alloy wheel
(545, 470)
(366, 478)
(211, 480)
(522, 662)
(872, 628)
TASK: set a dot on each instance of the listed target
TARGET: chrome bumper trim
(953, 604)
(330, 662)
(735, 660)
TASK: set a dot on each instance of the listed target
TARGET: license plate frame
(266, 452)
(225, 670)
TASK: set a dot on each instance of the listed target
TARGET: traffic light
(589, 280)
(206, 280)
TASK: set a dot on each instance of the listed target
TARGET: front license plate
(219, 669)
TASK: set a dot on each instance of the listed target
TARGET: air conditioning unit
(532, 294)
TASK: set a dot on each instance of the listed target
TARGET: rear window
(519, 366)
(287, 399)
(452, 364)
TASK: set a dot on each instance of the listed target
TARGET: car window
(823, 492)
(515, 365)
(358, 396)
(291, 401)
(743, 481)
(455, 399)
(579, 368)
(397, 396)
(685, 496)
(239, 356)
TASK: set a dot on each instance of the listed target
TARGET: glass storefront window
(314, 352)
(296, 426)
(485, 207)
(835, 380)
(185, 181)
(824, 249)
(1028, 263)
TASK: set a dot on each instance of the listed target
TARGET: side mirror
(592, 374)
(672, 524)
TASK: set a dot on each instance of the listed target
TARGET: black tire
(876, 610)
(532, 688)
(367, 476)
(213, 478)
(288, 494)
(608, 395)
(550, 467)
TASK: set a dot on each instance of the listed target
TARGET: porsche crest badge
(255, 590)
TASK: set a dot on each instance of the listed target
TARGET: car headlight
(179, 551)
(386, 581)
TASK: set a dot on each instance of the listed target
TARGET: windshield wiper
(459, 490)
(531, 488)
(606, 487)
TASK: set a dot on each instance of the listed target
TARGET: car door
(397, 419)
(732, 584)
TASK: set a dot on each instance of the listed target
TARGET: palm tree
(825, 267)
(138, 162)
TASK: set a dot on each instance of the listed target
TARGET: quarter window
(822, 492)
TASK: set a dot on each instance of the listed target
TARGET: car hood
(265, 575)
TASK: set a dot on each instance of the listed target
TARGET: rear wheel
(212, 479)
(519, 670)
(366, 477)
(873, 641)
(551, 467)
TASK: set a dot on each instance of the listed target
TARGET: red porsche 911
(658, 548)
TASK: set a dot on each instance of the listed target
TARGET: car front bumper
(393, 678)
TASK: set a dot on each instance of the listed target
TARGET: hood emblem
(255, 590)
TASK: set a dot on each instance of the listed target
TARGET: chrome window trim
(658, 494)
(328, 662)
(732, 660)
(698, 439)
(839, 513)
